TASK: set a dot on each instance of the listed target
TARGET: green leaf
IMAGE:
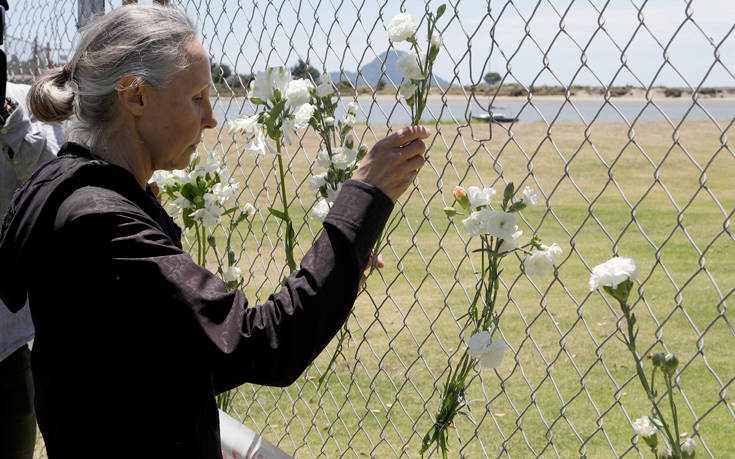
(257, 101)
(508, 193)
(440, 11)
(450, 211)
(516, 206)
(621, 292)
(277, 213)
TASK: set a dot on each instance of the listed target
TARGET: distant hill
(373, 71)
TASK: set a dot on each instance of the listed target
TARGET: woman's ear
(130, 95)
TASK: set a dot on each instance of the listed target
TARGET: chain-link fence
(618, 113)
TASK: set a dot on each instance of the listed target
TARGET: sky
(541, 42)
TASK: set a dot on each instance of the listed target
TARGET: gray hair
(146, 41)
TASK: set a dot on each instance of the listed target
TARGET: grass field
(565, 388)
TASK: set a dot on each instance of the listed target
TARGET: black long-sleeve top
(134, 339)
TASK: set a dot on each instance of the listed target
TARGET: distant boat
(497, 117)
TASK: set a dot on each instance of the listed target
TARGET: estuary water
(382, 109)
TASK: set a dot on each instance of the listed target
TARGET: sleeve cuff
(360, 212)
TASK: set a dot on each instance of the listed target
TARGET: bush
(672, 92)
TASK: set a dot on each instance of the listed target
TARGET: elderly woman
(133, 339)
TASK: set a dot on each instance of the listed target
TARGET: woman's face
(176, 115)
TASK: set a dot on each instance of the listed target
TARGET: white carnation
(436, 39)
(643, 427)
(178, 205)
(224, 192)
(324, 78)
(329, 121)
(257, 143)
(317, 180)
(349, 120)
(613, 272)
(410, 66)
(513, 242)
(303, 115)
(332, 194)
(323, 160)
(249, 209)
(267, 82)
(407, 89)
(352, 108)
(541, 262)
(324, 90)
(480, 197)
(501, 224)
(401, 27)
(689, 446)
(477, 223)
(247, 125)
(529, 196)
(343, 157)
(231, 274)
(489, 353)
(299, 92)
(320, 210)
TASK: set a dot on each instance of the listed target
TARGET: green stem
(669, 387)
(289, 236)
(641, 375)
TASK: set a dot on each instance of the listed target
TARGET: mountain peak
(372, 72)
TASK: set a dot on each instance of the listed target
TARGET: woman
(133, 339)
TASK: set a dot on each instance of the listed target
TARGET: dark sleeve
(269, 344)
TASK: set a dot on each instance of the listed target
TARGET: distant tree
(492, 77)
(303, 70)
(220, 72)
(381, 84)
(239, 81)
(344, 85)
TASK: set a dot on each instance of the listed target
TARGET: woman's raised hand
(393, 162)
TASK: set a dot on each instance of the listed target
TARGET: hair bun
(51, 97)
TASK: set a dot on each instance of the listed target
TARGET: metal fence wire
(627, 167)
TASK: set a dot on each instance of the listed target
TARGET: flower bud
(688, 448)
(461, 196)
(658, 359)
(329, 121)
(671, 363)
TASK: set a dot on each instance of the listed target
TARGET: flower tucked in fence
(285, 109)
(416, 66)
(616, 277)
(499, 236)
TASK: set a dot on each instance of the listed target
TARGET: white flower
(324, 78)
(288, 130)
(224, 191)
(436, 39)
(407, 89)
(343, 157)
(163, 179)
(323, 159)
(490, 353)
(410, 66)
(267, 82)
(349, 120)
(480, 197)
(231, 274)
(181, 176)
(613, 272)
(299, 92)
(476, 223)
(179, 204)
(501, 224)
(211, 164)
(247, 125)
(644, 428)
(665, 453)
(332, 194)
(208, 216)
(529, 196)
(513, 243)
(541, 262)
(317, 180)
(257, 143)
(352, 108)
(320, 210)
(401, 27)
(303, 115)
(689, 446)
(329, 121)
(324, 90)
(249, 209)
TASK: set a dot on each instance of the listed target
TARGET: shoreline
(577, 97)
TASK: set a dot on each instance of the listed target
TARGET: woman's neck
(125, 149)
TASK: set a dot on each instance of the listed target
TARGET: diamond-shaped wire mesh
(645, 176)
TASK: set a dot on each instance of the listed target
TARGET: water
(384, 109)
